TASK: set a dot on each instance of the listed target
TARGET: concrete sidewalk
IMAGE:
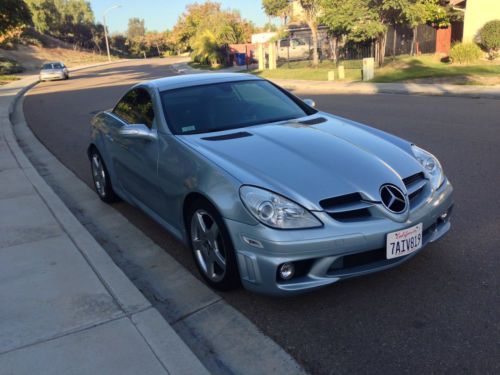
(341, 87)
(65, 307)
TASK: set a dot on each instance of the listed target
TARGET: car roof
(52, 63)
(188, 80)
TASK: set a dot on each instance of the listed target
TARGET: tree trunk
(382, 41)
(394, 36)
(314, 33)
(335, 43)
(413, 41)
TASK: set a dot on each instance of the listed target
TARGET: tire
(214, 255)
(100, 176)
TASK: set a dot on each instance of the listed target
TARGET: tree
(489, 38)
(13, 14)
(277, 8)
(206, 28)
(75, 11)
(118, 42)
(206, 49)
(98, 36)
(45, 15)
(135, 28)
(352, 20)
(312, 11)
(188, 24)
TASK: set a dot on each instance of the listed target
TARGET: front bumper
(52, 76)
(334, 252)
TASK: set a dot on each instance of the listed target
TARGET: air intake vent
(228, 136)
(314, 121)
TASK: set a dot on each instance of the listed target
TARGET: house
(476, 14)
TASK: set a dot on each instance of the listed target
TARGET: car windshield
(52, 66)
(228, 105)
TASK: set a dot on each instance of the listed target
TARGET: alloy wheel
(99, 175)
(208, 246)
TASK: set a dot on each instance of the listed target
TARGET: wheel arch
(90, 148)
(188, 202)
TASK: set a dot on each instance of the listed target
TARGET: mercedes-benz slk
(266, 190)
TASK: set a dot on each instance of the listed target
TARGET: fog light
(445, 215)
(286, 271)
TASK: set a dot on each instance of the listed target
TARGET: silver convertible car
(266, 190)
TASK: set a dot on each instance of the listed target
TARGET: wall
(477, 13)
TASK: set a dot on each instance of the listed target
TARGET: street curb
(443, 90)
(166, 345)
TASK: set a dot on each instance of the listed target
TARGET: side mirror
(310, 102)
(138, 131)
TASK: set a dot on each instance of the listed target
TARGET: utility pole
(106, 28)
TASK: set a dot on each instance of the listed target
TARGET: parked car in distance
(294, 49)
(266, 190)
(53, 70)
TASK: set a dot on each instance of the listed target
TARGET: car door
(284, 45)
(135, 159)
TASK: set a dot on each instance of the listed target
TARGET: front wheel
(100, 175)
(212, 247)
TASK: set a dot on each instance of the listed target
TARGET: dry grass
(32, 57)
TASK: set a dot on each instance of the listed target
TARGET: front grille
(413, 178)
(352, 215)
(352, 207)
(340, 200)
(415, 185)
(345, 208)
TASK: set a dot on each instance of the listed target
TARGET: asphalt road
(438, 313)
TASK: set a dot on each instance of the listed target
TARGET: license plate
(404, 242)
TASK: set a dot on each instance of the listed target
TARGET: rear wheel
(212, 247)
(100, 175)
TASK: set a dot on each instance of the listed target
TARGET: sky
(160, 15)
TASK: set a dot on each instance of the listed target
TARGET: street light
(106, 28)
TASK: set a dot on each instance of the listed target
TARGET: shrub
(465, 53)
(8, 66)
(489, 38)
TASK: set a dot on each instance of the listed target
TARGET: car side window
(285, 43)
(136, 107)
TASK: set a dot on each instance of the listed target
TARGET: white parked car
(53, 70)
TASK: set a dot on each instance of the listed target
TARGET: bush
(8, 66)
(489, 38)
(465, 53)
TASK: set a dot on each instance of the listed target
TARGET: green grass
(303, 70)
(403, 68)
(4, 79)
(409, 68)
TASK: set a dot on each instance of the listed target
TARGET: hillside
(32, 57)
(40, 48)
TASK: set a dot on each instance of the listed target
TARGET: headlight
(432, 167)
(276, 211)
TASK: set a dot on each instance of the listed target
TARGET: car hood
(311, 159)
